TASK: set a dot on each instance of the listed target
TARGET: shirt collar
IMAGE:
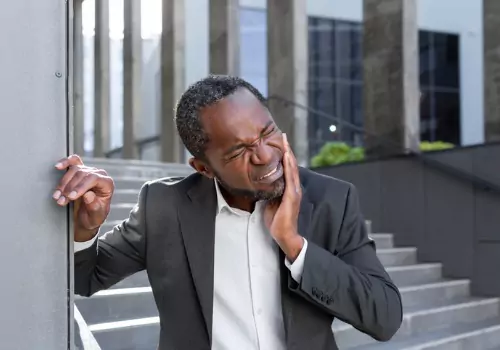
(221, 202)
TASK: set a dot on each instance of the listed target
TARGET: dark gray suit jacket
(170, 233)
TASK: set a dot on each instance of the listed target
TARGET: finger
(69, 190)
(287, 165)
(67, 162)
(292, 167)
(285, 142)
(84, 184)
(89, 198)
(64, 181)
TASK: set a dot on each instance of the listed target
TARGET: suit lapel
(287, 296)
(197, 220)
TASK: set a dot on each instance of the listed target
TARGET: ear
(201, 167)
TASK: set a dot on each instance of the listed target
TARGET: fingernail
(284, 137)
(61, 200)
(56, 194)
(72, 195)
(59, 165)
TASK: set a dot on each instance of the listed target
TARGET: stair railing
(84, 339)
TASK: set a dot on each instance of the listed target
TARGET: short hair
(205, 93)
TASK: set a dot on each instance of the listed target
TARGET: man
(251, 251)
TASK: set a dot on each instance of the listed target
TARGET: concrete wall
(447, 218)
(36, 261)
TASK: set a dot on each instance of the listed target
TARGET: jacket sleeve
(115, 255)
(351, 284)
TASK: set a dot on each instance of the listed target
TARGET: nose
(262, 154)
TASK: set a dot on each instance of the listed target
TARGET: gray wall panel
(402, 200)
(366, 178)
(449, 217)
(33, 99)
(445, 217)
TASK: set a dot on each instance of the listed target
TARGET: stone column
(101, 79)
(224, 25)
(287, 45)
(172, 77)
(391, 76)
(132, 62)
(78, 112)
(491, 30)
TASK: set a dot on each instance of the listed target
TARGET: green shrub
(333, 153)
(426, 146)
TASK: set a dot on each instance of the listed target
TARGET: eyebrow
(241, 144)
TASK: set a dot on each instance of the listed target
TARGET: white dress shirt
(247, 312)
(247, 289)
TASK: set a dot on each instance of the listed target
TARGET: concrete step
(139, 279)
(484, 335)
(108, 226)
(136, 168)
(120, 211)
(383, 240)
(412, 275)
(397, 256)
(129, 183)
(429, 319)
(117, 305)
(125, 196)
(438, 292)
(124, 302)
(147, 173)
(137, 334)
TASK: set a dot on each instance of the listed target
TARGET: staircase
(439, 313)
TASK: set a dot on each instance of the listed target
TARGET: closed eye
(237, 154)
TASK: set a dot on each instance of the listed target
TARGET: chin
(273, 191)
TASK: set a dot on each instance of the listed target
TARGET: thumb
(269, 211)
(91, 202)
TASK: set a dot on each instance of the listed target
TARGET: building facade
(450, 72)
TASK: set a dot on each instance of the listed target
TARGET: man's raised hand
(90, 189)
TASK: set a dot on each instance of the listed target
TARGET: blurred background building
(450, 66)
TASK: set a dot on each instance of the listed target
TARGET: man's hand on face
(90, 190)
(281, 217)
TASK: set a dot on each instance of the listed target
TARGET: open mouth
(272, 172)
(272, 175)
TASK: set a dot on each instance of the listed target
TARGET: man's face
(245, 150)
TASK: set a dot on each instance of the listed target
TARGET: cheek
(234, 173)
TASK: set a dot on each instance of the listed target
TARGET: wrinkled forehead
(238, 118)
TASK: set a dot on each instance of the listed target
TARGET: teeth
(270, 173)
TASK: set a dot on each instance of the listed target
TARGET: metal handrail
(84, 339)
(455, 172)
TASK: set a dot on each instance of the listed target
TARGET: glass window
(445, 59)
(447, 117)
(425, 57)
(336, 78)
